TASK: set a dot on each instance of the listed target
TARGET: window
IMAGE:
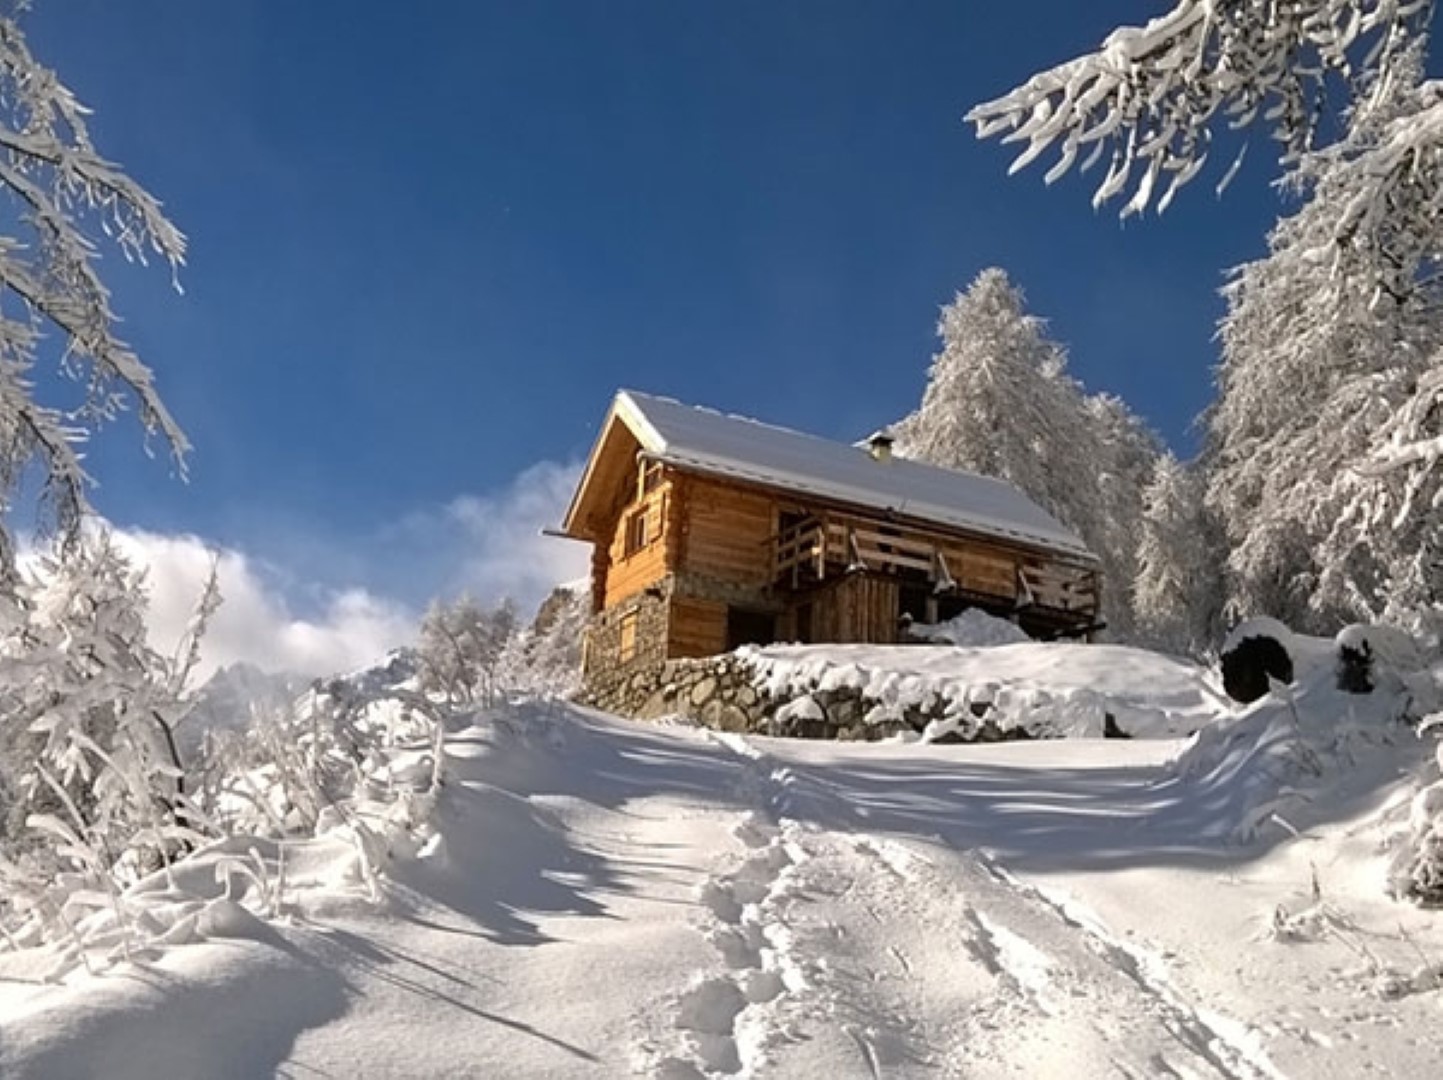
(627, 650)
(636, 537)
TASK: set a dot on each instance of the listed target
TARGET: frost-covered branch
(49, 285)
(1150, 98)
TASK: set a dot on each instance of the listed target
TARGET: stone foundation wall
(704, 587)
(605, 671)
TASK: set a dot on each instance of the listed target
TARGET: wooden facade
(691, 564)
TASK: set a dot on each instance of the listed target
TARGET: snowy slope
(602, 898)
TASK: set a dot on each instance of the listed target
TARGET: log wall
(697, 628)
(628, 574)
(727, 532)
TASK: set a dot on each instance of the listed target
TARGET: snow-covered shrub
(1370, 656)
(461, 647)
(1418, 875)
(98, 788)
(1417, 870)
(544, 660)
(294, 771)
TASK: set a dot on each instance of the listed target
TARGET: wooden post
(854, 553)
(824, 532)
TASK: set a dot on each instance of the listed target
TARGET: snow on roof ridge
(860, 445)
(808, 462)
(665, 399)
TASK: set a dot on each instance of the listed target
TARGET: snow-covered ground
(597, 897)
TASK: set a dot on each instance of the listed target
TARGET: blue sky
(428, 241)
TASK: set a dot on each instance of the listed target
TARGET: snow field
(592, 897)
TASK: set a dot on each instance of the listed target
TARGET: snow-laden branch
(49, 286)
(1390, 227)
(1149, 98)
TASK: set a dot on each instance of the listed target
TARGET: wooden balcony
(827, 546)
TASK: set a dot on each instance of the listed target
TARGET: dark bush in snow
(1369, 656)
(1250, 663)
(1355, 668)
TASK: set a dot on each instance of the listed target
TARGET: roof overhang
(623, 434)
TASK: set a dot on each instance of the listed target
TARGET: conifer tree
(999, 401)
(1326, 342)
(1177, 562)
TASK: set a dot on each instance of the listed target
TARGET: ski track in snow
(844, 954)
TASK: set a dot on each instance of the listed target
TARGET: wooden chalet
(713, 531)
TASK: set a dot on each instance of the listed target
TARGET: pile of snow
(974, 628)
(1264, 765)
(1050, 690)
(1267, 768)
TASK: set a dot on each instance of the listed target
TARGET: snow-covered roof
(705, 440)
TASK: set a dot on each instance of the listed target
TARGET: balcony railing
(820, 548)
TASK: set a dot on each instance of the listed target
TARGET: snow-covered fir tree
(1104, 494)
(1174, 591)
(1326, 343)
(1330, 341)
(1000, 401)
(986, 406)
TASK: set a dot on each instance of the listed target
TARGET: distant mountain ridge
(234, 696)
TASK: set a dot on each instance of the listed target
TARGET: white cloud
(291, 615)
(256, 622)
(491, 545)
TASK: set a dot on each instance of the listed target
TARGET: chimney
(879, 446)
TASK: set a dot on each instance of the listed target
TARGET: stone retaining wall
(720, 692)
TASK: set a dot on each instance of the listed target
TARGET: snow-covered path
(607, 898)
